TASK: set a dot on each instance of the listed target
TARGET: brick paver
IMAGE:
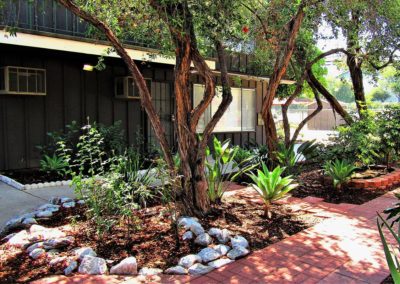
(344, 248)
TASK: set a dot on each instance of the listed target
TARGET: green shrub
(340, 171)
(54, 165)
(389, 131)
(271, 186)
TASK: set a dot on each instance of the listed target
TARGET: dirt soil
(29, 176)
(152, 240)
(311, 183)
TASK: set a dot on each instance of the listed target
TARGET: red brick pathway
(344, 248)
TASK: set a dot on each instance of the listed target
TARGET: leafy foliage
(53, 165)
(271, 186)
(340, 171)
(389, 131)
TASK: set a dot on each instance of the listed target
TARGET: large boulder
(84, 251)
(128, 266)
(93, 265)
(239, 241)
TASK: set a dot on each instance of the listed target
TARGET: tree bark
(328, 96)
(281, 64)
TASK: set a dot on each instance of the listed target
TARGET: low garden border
(381, 182)
(15, 184)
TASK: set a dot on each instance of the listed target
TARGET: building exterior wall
(74, 94)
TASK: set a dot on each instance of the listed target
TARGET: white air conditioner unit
(125, 88)
(22, 81)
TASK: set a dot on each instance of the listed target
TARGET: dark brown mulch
(152, 240)
(29, 176)
(311, 183)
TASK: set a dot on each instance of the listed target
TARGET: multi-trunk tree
(179, 24)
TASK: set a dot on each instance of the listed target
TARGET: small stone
(187, 235)
(188, 260)
(71, 267)
(220, 262)
(215, 232)
(36, 253)
(237, 252)
(222, 249)
(203, 239)
(44, 214)
(208, 254)
(224, 237)
(49, 207)
(34, 246)
(58, 243)
(65, 199)
(197, 229)
(13, 223)
(55, 261)
(69, 204)
(81, 202)
(93, 265)
(28, 215)
(176, 270)
(20, 239)
(29, 221)
(239, 241)
(199, 269)
(128, 266)
(186, 222)
(147, 271)
(84, 251)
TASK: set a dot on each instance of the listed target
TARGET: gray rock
(36, 253)
(220, 262)
(44, 214)
(187, 235)
(55, 200)
(8, 237)
(197, 229)
(49, 207)
(57, 260)
(58, 243)
(215, 232)
(12, 224)
(39, 233)
(198, 269)
(66, 199)
(186, 222)
(28, 215)
(203, 240)
(128, 266)
(34, 246)
(237, 252)
(176, 270)
(239, 241)
(69, 204)
(224, 237)
(222, 249)
(93, 265)
(29, 221)
(84, 251)
(188, 260)
(208, 254)
(53, 252)
(81, 202)
(147, 271)
(20, 239)
(71, 267)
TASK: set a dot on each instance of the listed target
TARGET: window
(22, 81)
(240, 115)
(126, 89)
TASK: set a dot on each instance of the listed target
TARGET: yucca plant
(271, 186)
(390, 254)
(54, 164)
(340, 171)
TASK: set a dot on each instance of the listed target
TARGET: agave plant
(54, 164)
(340, 171)
(271, 186)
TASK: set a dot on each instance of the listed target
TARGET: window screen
(20, 80)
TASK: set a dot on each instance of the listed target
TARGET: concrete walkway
(14, 202)
(344, 248)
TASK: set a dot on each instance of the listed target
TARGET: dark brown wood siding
(73, 94)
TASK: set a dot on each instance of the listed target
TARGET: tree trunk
(356, 75)
(281, 63)
(328, 96)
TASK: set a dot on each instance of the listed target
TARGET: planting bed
(151, 239)
(32, 176)
(358, 191)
